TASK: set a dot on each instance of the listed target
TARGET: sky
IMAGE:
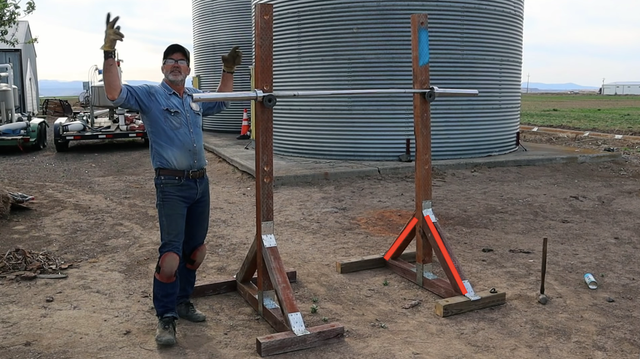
(580, 41)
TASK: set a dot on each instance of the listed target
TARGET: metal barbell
(270, 99)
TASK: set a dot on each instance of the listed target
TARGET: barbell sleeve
(453, 92)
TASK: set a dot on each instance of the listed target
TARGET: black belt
(193, 174)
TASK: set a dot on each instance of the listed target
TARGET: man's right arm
(110, 73)
(111, 77)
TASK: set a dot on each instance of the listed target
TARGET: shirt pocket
(197, 117)
(172, 117)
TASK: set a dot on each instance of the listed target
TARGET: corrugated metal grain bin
(354, 44)
(218, 25)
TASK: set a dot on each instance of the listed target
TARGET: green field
(611, 114)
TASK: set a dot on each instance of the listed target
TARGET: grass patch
(611, 114)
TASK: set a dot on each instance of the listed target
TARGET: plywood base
(461, 304)
(286, 342)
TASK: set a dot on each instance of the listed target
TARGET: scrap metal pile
(22, 260)
(9, 200)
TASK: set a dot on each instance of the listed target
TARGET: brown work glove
(232, 59)
(112, 34)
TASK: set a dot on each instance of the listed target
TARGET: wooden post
(422, 129)
(270, 292)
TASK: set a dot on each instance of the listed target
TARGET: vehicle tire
(44, 136)
(41, 138)
(37, 143)
(62, 146)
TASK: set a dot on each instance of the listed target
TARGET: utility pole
(528, 75)
(602, 88)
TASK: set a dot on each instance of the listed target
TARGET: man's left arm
(229, 64)
(226, 82)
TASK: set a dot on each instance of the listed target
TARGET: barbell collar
(269, 100)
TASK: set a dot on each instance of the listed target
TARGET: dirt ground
(94, 209)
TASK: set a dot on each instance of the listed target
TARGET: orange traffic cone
(244, 132)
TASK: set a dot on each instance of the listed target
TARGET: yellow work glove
(112, 34)
(232, 59)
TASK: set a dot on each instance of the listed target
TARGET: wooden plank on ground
(437, 286)
(461, 304)
(274, 317)
(369, 262)
(286, 342)
(214, 288)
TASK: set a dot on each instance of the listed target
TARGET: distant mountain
(59, 88)
(538, 86)
(51, 88)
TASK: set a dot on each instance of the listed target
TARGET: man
(174, 126)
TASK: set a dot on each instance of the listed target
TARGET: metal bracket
(427, 271)
(470, 293)
(297, 324)
(269, 300)
(268, 238)
(427, 210)
(267, 228)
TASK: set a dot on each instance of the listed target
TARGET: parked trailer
(18, 129)
(88, 126)
(119, 124)
(29, 132)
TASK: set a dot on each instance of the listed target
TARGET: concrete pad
(292, 170)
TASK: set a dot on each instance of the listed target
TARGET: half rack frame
(459, 296)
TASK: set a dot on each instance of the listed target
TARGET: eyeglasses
(170, 61)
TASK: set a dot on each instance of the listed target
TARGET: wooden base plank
(369, 262)
(437, 286)
(461, 304)
(272, 316)
(231, 285)
(286, 342)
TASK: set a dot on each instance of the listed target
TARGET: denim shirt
(173, 124)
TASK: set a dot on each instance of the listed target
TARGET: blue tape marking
(423, 46)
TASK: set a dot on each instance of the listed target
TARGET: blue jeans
(183, 213)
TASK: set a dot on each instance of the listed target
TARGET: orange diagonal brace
(446, 255)
(401, 238)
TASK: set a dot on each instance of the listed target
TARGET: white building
(621, 88)
(25, 73)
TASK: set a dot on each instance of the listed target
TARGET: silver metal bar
(255, 95)
(345, 92)
(453, 92)
(258, 95)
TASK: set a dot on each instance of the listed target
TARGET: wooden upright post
(422, 129)
(270, 293)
